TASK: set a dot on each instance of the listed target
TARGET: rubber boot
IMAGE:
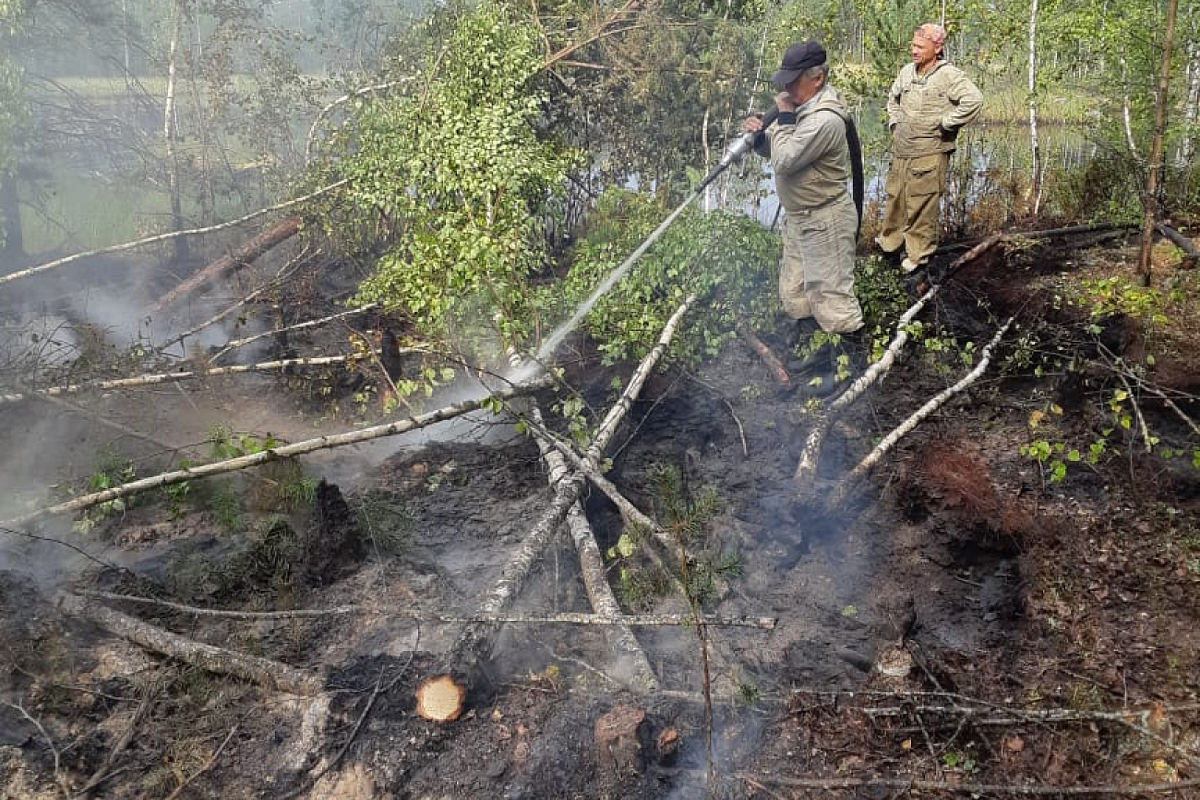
(805, 353)
(800, 332)
(842, 363)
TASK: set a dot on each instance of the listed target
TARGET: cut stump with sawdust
(440, 698)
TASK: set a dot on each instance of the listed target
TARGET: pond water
(986, 156)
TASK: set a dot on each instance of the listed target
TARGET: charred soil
(1010, 600)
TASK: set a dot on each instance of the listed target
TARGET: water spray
(734, 153)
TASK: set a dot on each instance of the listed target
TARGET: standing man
(807, 146)
(929, 102)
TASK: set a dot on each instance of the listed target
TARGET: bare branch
(163, 237)
(284, 451)
(263, 671)
(172, 377)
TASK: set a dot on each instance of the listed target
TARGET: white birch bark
(1191, 109)
(1035, 178)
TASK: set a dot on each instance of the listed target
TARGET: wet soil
(962, 620)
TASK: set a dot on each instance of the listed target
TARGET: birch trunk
(1035, 178)
(244, 255)
(166, 237)
(1191, 109)
(169, 133)
(263, 671)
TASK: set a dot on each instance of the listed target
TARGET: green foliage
(730, 261)
(459, 173)
(112, 470)
(686, 518)
(226, 444)
(226, 508)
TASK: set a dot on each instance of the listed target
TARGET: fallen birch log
(262, 671)
(595, 582)
(284, 451)
(171, 377)
(810, 454)
(245, 255)
(473, 648)
(838, 495)
(1191, 256)
(166, 237)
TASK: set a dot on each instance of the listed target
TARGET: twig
(741, 430)
(236, 343)
(61, 543)
(1043, 790)
(207, 765)
(1137, 411)
(104, 772)
(59, 778)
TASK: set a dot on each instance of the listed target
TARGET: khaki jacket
(809, 156)
(925, 112)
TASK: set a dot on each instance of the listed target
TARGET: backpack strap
(856, 163)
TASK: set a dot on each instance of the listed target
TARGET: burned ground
(963, 620)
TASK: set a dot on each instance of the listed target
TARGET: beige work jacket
(925, 112)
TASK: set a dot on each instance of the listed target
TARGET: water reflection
(993, 165)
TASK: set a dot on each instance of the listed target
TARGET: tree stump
(619, 745)
(440, 699)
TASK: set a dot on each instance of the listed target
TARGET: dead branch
(262, 671)
(860, 471)
(565, 617)
(245, 255)
(602, 30)
(61, 780)
(284, 272)
(1137, 412)
(163, 237)
(104, 771)
(207, 765)
(172, 377)
(768, 358)
(806, 470)
(233, 344)
(975, 789)
(284, 451)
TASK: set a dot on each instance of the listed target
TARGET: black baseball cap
(798, 58)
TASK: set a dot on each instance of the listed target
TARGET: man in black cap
(807, 147)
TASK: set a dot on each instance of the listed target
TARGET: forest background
(506, 124)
